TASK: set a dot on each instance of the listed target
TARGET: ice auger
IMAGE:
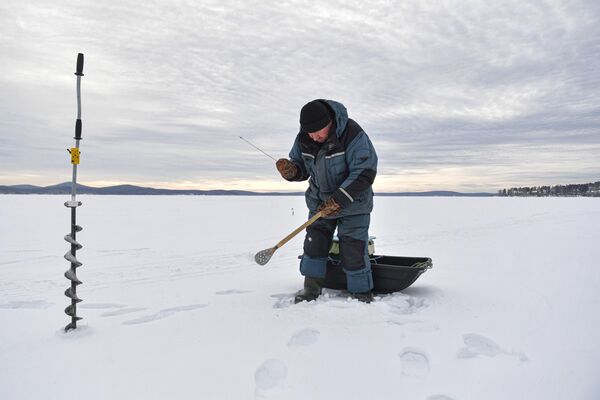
(70, 256)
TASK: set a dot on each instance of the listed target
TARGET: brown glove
(286, 168)
(330, 207)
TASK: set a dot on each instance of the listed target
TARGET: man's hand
(330, 207)
(286, 168)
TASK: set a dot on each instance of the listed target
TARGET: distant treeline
(585, 189)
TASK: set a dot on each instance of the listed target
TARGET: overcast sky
(458, 95)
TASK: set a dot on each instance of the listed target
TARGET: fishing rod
(268, 155)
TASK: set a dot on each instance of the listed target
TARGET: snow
(175, 307)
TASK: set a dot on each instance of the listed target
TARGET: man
(337, 157)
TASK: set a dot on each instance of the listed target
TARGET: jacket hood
(341, 115)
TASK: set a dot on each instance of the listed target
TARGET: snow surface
(175, 307)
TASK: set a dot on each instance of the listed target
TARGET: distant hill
(65, 188)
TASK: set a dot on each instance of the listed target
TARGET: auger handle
(78, 129)
(79, 65)
(299, 229)
(79, 74)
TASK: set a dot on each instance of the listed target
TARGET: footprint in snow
(270, 375)
(122, 311)
(233, 291)
(479, 345)
(100, 306)
(403, 304)
(304, 337)
(31, 305)
(167, 312)
(416, 325)
(415, 363)
(284, 300)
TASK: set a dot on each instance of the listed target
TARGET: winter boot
(365, 297)
(312, 289)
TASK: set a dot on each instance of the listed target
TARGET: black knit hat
(314, 116)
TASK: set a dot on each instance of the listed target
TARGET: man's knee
(317, 242)
(352, 253)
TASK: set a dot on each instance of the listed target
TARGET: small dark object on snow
(365, 297)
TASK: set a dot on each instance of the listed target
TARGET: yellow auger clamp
(74, 155)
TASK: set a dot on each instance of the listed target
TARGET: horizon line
(67, 183)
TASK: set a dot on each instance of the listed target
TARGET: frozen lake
(175, 307)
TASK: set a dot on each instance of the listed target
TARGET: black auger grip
(78, 129)
(79, 65)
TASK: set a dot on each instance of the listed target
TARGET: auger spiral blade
(71, 312)
(72, 259)
(70, 275)
(70, 293)
(70, 326)
(74, 242)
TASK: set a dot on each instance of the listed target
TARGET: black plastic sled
(390, 274)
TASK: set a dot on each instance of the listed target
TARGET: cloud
(464, 94)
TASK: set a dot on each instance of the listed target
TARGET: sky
(455, 95)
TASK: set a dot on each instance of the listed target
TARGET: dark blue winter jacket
(344, 166)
